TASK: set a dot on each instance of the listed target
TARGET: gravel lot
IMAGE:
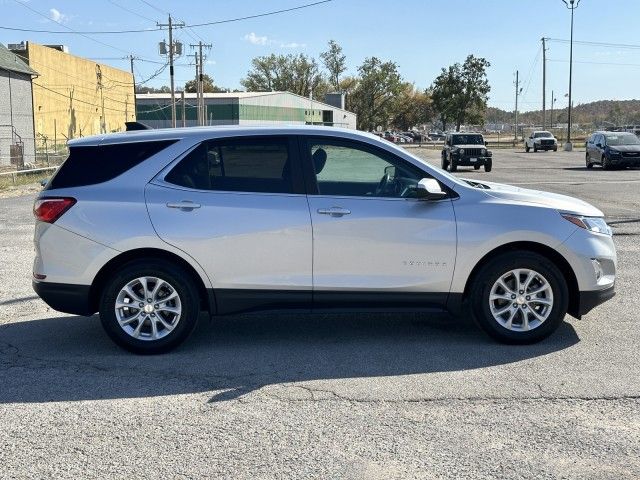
(330, 396)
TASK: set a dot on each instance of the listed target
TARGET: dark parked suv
(465, 150)
(613, 150)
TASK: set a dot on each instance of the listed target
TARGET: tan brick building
(75, 97)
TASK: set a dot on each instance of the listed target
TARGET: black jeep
(465, 150)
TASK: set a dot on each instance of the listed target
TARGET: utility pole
(200, 80)
(553, 99)
(197, 80)
(103, 126)
(544, 84)
(184, 118)
(173, 49)
(135, 100)
(571, 5)
(518, 91)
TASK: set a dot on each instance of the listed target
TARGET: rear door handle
(334, 211)
(184, 205)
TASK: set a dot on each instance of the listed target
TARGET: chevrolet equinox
(149, 228)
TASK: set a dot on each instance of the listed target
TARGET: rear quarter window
(90, 165)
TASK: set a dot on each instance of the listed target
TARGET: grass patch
(8, 181)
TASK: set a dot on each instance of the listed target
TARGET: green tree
(411, 108)
(297, 74)
(375, 93)
(335, 62)
(207, 85)
(460, 92)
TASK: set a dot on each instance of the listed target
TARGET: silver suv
(150, 228)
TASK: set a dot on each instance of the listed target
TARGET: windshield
(542, 135)
(467, 140)
(622, 139)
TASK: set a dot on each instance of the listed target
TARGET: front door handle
(334, 211)
(184, 205)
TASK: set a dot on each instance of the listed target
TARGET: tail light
(51, 209)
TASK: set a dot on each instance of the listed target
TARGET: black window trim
(297, 180)
(310, 176)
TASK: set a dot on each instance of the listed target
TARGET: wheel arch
(207, 299)
(543, 250)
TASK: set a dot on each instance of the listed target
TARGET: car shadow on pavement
(71, 359)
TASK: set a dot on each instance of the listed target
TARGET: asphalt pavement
(330, 396)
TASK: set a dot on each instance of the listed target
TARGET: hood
(470, 146)
(562, 203)
(625, 148)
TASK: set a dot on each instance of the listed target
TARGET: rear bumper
(65, 297)
(592, 298)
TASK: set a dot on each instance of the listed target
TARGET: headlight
(461, 151)
(593, 224)
(483, 151)
(614, 152)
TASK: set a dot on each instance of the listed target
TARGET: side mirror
(486, 143)
(429, 189)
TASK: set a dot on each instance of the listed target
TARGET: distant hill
(596, 114)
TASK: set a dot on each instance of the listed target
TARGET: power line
(597, 63)
(275, 12)
(131, 11)
(75, 99)
(147, 30)
(65, 26)
(597, 44)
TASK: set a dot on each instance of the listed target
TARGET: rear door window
(97, 164)
(251, 164)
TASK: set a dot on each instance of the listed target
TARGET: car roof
(222, 131)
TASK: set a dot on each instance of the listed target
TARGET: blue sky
(420, 36)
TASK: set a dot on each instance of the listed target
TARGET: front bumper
(592, 298)
(472, 161)
(546, 147)
(625, 161)
(64, 297)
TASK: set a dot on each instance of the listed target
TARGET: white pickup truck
(540, 140)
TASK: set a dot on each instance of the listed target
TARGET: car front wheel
(519, 297)
(149, 307)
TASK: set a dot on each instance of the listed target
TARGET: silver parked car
(149, 228)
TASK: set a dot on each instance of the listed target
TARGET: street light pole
(571, 5)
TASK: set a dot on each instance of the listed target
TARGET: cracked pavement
(329, 396)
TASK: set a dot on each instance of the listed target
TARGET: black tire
(453, 166)
(179, 279)
(444, 163)
(555, 149)
(501, 265)
(535, 149)
(526, 148)
(476, 167)
(487, 166)
(606, 163)
(587, 162)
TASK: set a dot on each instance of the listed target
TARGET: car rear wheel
(149, 307)
(519, 297)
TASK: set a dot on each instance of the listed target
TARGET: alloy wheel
(148, 308)
(521, 300)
